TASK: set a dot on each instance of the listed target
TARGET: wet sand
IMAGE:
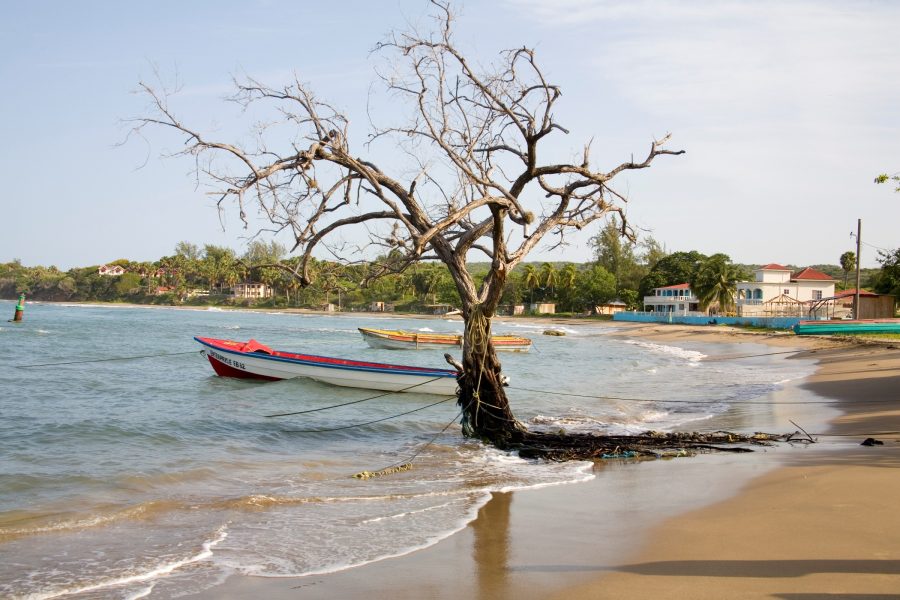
(793, 522)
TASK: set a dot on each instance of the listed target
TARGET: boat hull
(847, 327)
(406, 340)
(229, 360)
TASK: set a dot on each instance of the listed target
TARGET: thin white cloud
(787, 110)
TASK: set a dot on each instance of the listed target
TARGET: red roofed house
(779, 292)
(110, 271)
(676, 299)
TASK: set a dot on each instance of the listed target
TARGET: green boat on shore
(847, 327)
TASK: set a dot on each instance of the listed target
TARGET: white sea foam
(159, 571)
(674, 351)
(141, 593)
(479, 500)
(407, 513)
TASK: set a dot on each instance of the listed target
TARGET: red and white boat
(252, 360)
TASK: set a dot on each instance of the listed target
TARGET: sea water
(141, 473)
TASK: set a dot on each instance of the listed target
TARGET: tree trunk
(485, 407)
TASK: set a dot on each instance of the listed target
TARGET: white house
(110, 271)
(255, 291)
(542, 308)
(676, 299)
(777, 291)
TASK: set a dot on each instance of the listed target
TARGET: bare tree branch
(474, 138)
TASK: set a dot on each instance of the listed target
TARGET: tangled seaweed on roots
(647, 445)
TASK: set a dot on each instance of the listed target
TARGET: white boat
(252, 360)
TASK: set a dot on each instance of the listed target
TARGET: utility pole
(858, 260)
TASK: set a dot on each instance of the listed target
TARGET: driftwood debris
(650, 444)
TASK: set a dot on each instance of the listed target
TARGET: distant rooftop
(678, 286)
(809, 273)
(774, 267)
(850, 293)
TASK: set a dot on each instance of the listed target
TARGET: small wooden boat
(847, 327)
(409, 340)
(252, 360)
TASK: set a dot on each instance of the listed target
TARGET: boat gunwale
(450, 339)
(347, 365)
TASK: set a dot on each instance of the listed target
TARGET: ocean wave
(675, 351)
(570, 424)
(407, 513)
(204, 553)
(52, 523)
(479, 499)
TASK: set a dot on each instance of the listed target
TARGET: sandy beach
(825, 525)
(817, 521)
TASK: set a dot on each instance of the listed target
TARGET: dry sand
(826, 525)
(793, 523)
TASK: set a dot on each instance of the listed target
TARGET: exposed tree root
(650, 444)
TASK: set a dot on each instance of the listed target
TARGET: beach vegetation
(887, 281)
(893, 179)
(848, 263)
(629, 260)
(715, 282)
(673, 269)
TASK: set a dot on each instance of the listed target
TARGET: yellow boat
(410, 340)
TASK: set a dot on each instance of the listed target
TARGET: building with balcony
(675, 299)
(252, 291)
(777, 291)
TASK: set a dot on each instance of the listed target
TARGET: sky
(787, 110)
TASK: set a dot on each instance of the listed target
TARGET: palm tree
(715, 281)
(531, 279)
(568, 276)
(427, 281)
(848, 263)
(217, 265)
(566, 281)
(549, 276)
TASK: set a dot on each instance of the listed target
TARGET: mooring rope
(406, 464)
(97, 360)
(717, 358)
(447, 399)
(666, 401)
(375, 397)
(869, 434)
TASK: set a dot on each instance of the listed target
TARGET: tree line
(620, 270)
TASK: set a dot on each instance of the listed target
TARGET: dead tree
(477, 180)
